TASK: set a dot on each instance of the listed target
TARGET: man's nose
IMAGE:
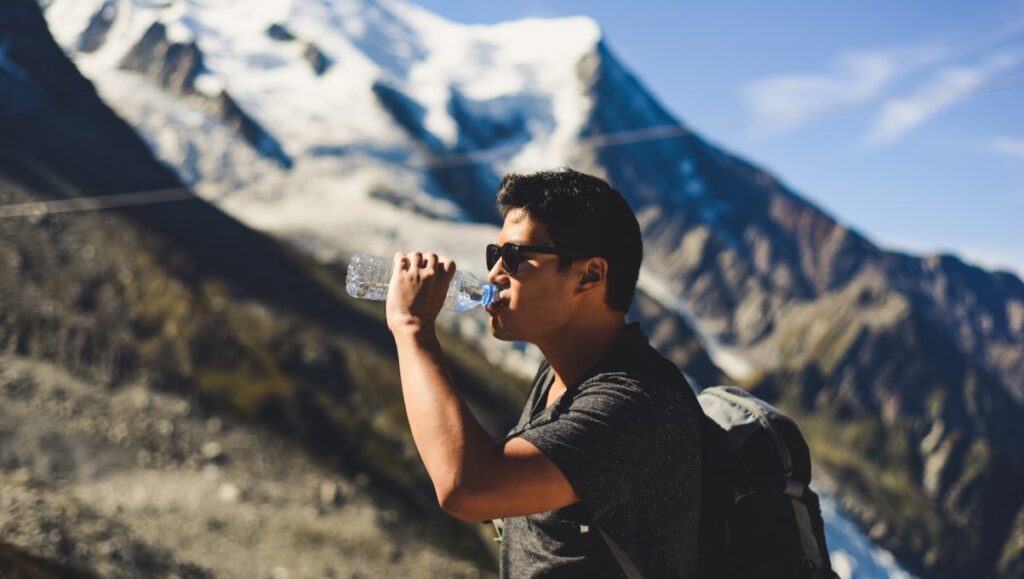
(497, 275)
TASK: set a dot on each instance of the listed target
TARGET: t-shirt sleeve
(602, 442)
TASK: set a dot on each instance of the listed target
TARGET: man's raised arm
(474, 479)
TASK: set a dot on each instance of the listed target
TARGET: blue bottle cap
(489, 292)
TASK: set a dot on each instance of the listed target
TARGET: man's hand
(416, 294)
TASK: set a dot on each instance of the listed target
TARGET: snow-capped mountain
(400, 109)
(373, 125)
(392, 96)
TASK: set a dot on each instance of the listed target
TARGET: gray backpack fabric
(759, 516)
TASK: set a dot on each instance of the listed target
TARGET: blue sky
(904, 120)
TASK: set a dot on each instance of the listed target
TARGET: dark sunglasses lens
(493, 254)
(508, 255)
(510, 258)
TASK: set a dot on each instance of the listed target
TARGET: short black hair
(582, 213)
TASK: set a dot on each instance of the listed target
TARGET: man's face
(537, 299)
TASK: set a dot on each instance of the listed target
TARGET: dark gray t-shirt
(626, 437)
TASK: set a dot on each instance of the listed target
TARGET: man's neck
(572, 351)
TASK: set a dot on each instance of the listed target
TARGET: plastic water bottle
(368, 278)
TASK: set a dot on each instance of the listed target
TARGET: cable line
(137, 198)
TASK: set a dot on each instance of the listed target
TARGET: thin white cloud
(900, 115)
(782, 103)
(861, 79)
(1008, 146)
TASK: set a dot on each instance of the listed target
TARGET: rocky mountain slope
(182, 395)
(134, 482)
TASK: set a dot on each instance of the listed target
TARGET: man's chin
(497, 331)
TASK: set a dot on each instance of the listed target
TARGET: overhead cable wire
(167, 195)
(93, 203)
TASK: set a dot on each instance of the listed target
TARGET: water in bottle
(368, 278)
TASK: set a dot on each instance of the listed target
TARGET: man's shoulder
(648, 371)
(626, 385)
(651, 381)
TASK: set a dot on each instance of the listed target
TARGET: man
(608, 440)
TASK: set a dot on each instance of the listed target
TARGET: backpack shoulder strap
(499, 529)
(622, 557)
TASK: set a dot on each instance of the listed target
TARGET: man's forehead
(522, 229)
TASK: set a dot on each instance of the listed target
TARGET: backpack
(759, 517)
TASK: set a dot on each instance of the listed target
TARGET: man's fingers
(400, 261)
(416, 260)
(431, 262)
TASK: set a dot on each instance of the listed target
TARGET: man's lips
(499, 301)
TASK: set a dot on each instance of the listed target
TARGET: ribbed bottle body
(368, 278)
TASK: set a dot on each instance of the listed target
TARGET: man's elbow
(457, 503)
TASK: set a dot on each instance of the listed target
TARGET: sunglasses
(511, 254)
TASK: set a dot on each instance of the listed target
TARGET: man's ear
(595, 271)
